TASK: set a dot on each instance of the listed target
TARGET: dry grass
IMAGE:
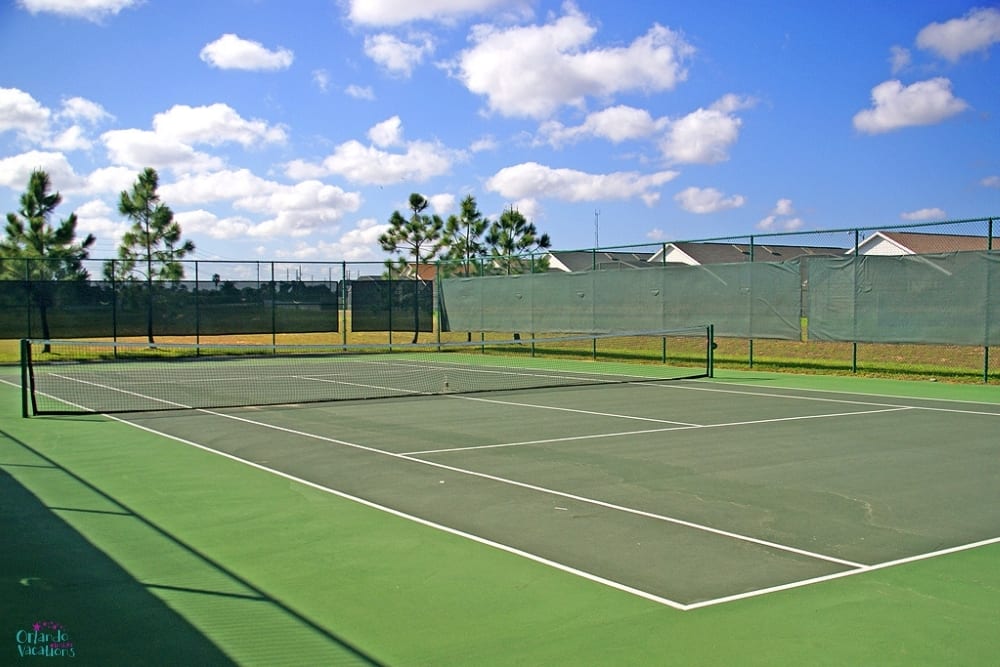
(953, 363)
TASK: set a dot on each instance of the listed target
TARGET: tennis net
(72, 377)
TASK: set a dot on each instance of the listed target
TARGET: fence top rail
(769, 235)
(753, 238)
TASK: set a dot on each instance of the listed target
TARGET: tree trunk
(416, 301)
(149, 311)
(43, 314)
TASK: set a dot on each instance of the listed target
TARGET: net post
(710, 362)
(25, 351)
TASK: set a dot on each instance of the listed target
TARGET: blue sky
(291, 130)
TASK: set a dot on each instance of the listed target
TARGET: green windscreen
(751, 300)
(951, 298)
(392, 305)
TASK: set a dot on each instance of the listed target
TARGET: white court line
(852, 393)
(418, 520)
(562, 494)
(689, 427)
(856, 568)
(556, 408)
(646, 595)
(553, 492)
(841, 575)
(685, 387)
(118, 389)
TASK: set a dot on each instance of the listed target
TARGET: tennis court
(686, 494)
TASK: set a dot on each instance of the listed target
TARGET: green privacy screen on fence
(392, 305)
(99, 309)
(750, 300)
(951, 298)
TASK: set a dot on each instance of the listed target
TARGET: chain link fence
(774, 317)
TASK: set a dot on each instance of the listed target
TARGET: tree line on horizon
(149, 251)
(153, 247)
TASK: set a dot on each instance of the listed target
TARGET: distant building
(694, 253)
(589, 260)
(913, 243)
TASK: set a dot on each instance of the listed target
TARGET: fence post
(389, 293)
(27, 294)
(114, 303)
(436, 310)
(986, 347)
(750, 303)
(197, 310)
(854, 304)
(343, 301)
(274, 309)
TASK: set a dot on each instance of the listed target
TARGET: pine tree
(420, 237)
(511, 238)
(152, 248)
(44, 253)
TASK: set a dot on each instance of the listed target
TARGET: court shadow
(63, 597)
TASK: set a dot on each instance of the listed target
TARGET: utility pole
(597, 228)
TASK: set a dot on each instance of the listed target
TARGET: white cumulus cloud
(899, 59)
(389, 159)
(142, 148)
(532, 71)
(387, 133)
(70, 139)
(82, 109)
(895, 106)
(16, 169)
(616, 124)
(204, 222)
(397, 56)
(784, 207)
(233, 52)
(398, 12)
(360, 92)
(924, 214)
(442, 204)
(705, 136)
(299, 209)
(214, 125)
(321, 78)
(91, 10)
(22, 113)
(535, 181)
(978, 30)
(97, 218)
(707, 200)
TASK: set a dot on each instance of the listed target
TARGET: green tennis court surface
(753, 519)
